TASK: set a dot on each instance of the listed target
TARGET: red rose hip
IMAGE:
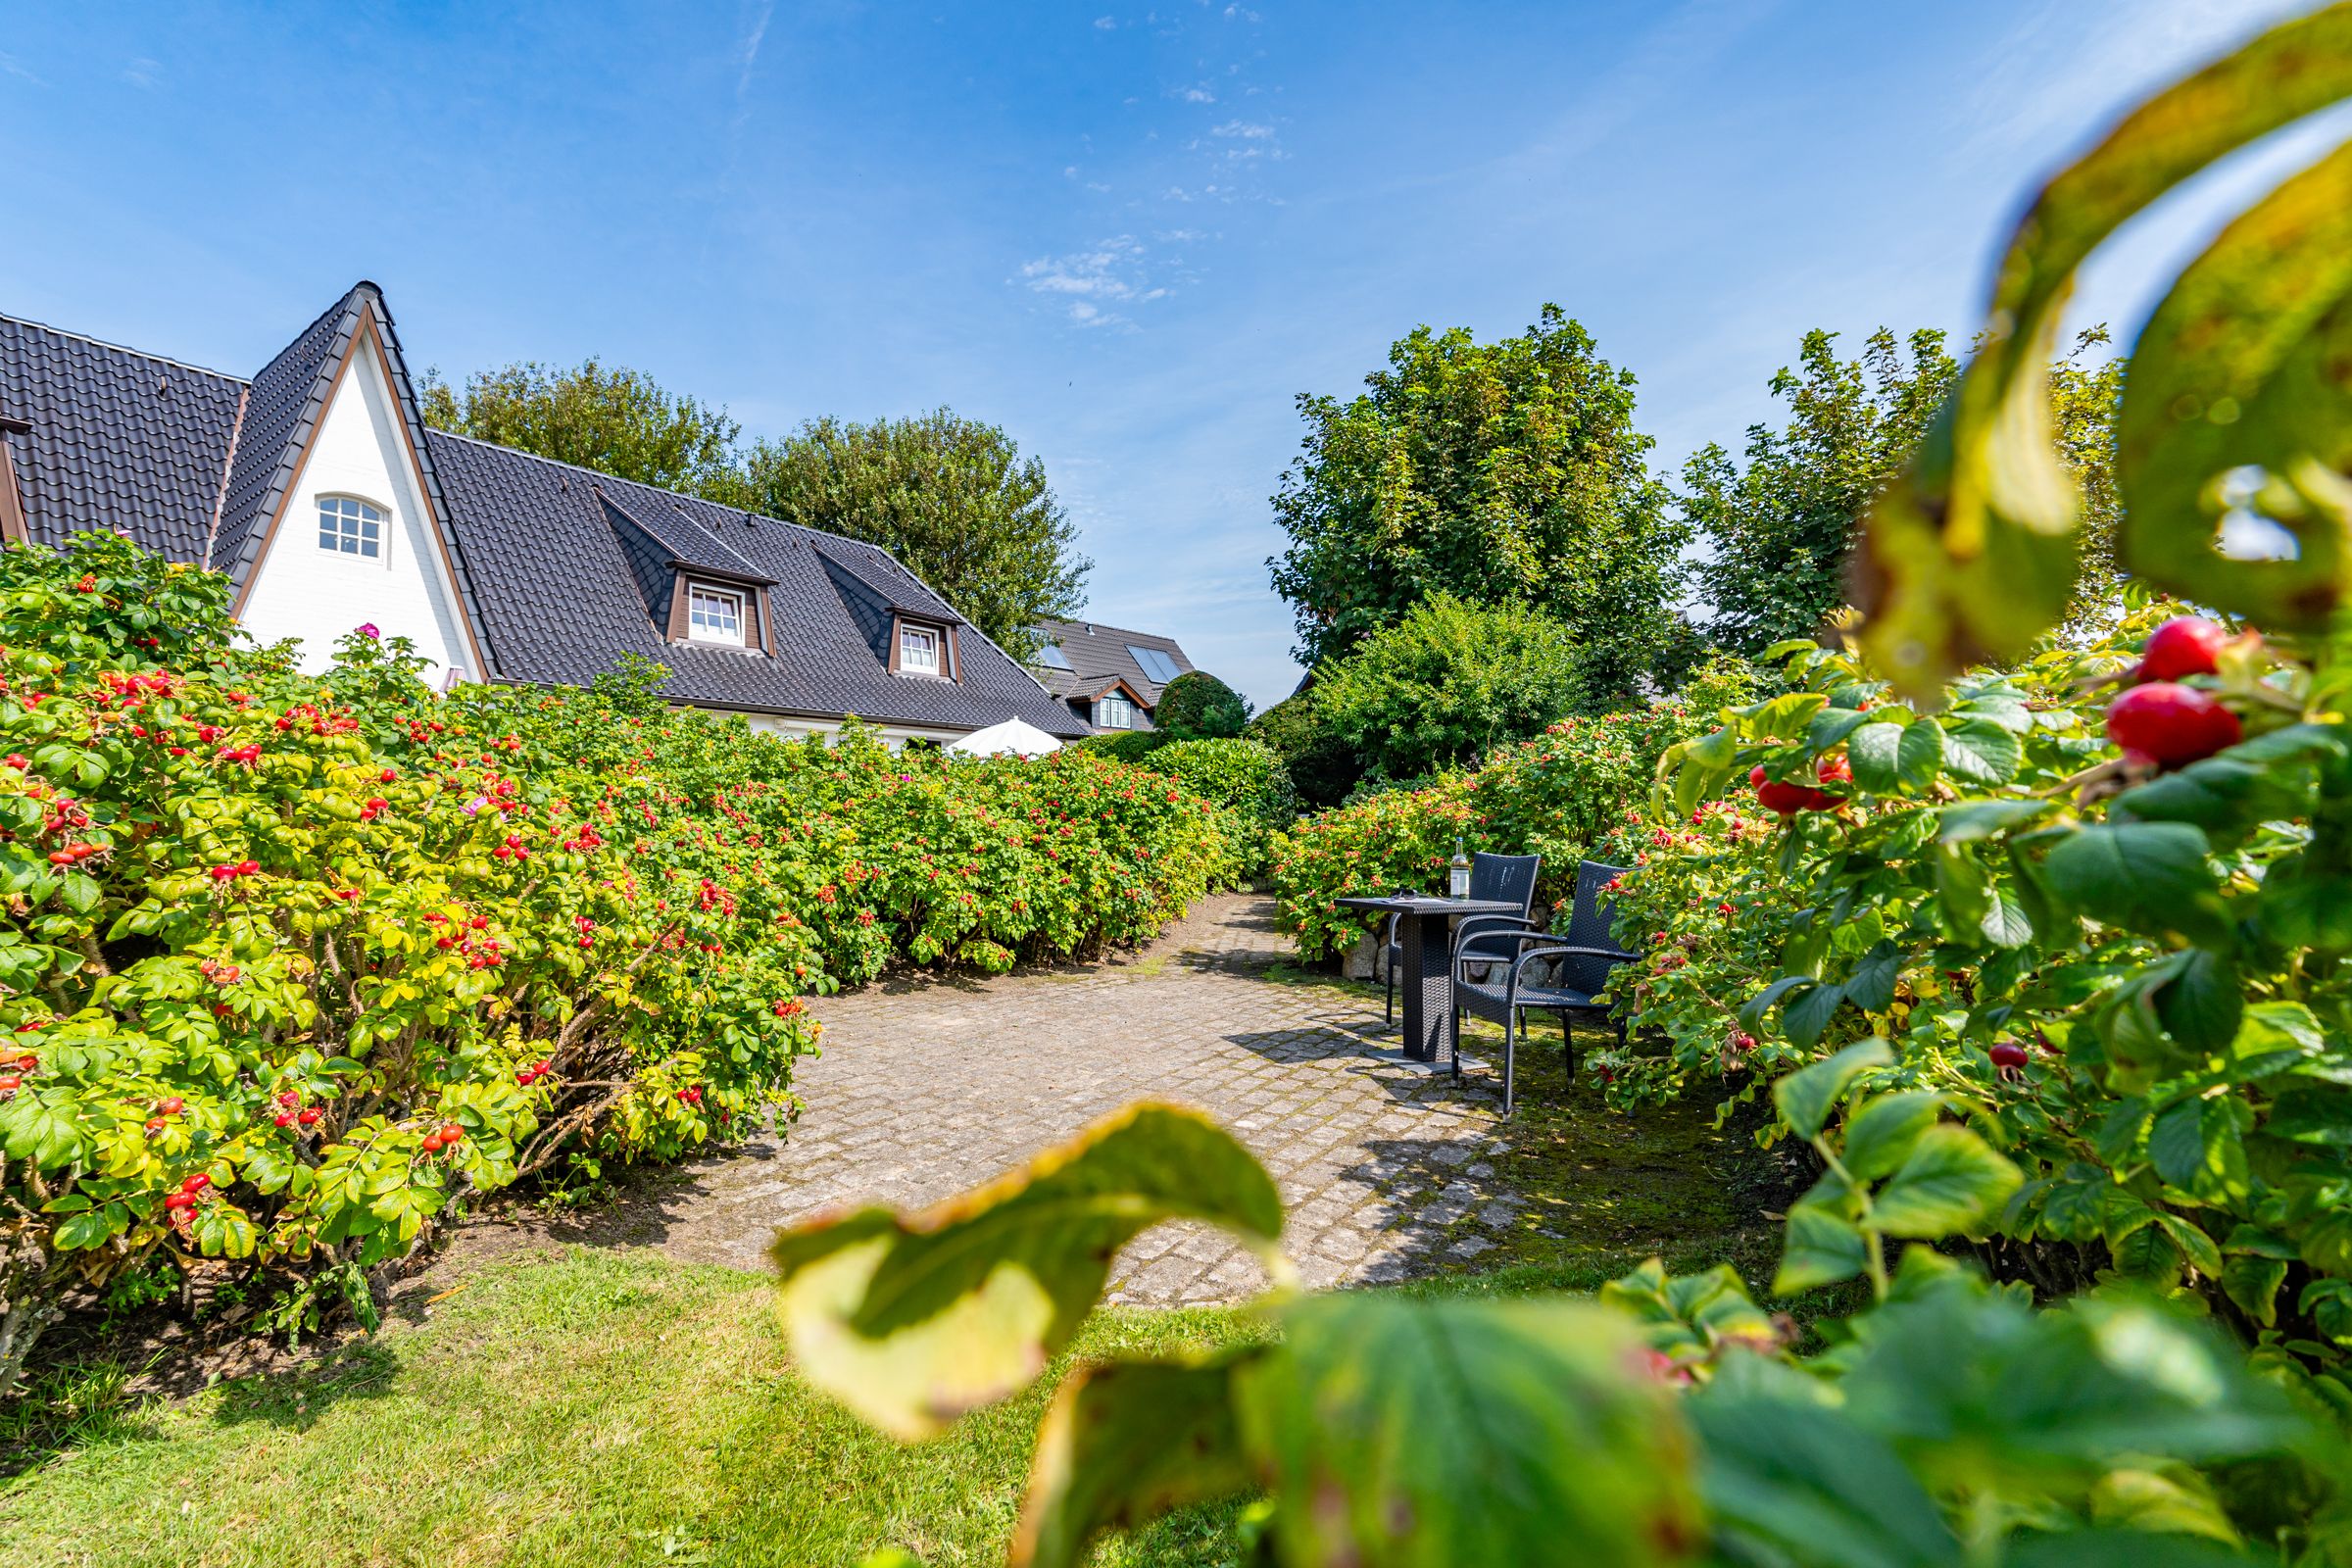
(2008, 1054)
(2170, 725)
(2186, 645)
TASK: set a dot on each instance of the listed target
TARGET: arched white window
(350, 526)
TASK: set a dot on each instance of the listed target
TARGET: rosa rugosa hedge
(1243, 778)
(291, 963)
(1557, 795)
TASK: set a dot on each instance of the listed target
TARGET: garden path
(931, 1084)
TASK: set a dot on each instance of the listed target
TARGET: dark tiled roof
(1096, 652)
(119, 439)
(560, 602)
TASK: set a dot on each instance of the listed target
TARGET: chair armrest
(1520, 939)
(1469, 929)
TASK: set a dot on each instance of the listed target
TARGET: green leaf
(1805, 1484)
(2241, 368)
(1919, 754)
(2194, 1244)
(2253, 1284)
(1881, 1136)
(1875, 751)
(1803, 1019)
(1804, 1097)
(2119, 1548)
(1123, 1444)
(1965, 820)
(1819, 1247)
(1404, 1434)
(79, 892)
(2006, 924)
(2150, 877)
(2203, 1001)
(1953, 1183)
(1833, 724)
(912, 1321)
(83, 1231)
(1969, 554)
(1982, 752)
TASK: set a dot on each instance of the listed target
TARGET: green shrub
(1197, 707)
(1557, 795)
(1246, 780)
(295, 962)
(1448, 684)
(1324, 768)
(1126, 746)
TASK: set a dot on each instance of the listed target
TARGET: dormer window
(714, 614)
(350, 526)
(918, 650)
(1114, 713)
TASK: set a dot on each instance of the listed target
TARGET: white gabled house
(316, 486)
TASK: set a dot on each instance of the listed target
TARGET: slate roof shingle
(559, 565)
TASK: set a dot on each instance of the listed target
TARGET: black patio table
(1425, 936)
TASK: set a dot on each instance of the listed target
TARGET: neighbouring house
(1111, 678)
(316, 486)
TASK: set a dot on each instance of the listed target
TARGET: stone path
(931, 1086)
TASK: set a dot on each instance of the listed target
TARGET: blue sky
(1130, 234)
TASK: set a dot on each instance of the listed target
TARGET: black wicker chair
(1580, 963)
(1510, 877)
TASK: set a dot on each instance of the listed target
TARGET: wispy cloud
(1192, 95)
(1105, 23)
(1089, 281)
(747, 52)
(11, 66)
(1242, 129)
(140, 73)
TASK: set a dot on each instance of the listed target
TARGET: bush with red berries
(292, 963)
(2093, 901)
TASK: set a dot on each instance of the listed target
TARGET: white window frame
(934, 642)
(1116, 703)
(698, 632)
(362, 524)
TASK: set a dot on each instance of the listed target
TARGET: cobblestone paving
(931, 1086)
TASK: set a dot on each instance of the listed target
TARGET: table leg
(1428, 986)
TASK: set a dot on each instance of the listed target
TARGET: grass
(580, 1409)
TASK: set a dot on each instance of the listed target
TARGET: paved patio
(928, 1087)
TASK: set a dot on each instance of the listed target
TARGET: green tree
(1323, 766)
(1778, 529)
(951, 496)
(616, 421)
(1506, 473)
(1197, 707)
(1448, 683)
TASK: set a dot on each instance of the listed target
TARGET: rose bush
(292, 963)
(1557, 795)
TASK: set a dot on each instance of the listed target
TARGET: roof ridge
(123, 348)
(1101, 626)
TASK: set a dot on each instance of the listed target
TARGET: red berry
(196, 1183)
(170, 1108)
(310, 1117)
(1755, 776)
(2170, 725)
(432, 1144)
(1835, 770)
(248, 867)
(285, 1118)
(179, 1199)
(451, 1134)
(2186, 645)
(8, 1082)
(2008, 1054)
(1789, 799)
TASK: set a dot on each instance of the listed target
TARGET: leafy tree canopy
(1778, 529)
(1448, 683)
(615, 420)
(1197, 707)
(1323, 766)
(1504, 473)
(951, 496)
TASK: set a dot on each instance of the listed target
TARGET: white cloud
(1242, 129)
(1114, 271)
(1106, 22)
(1194, 95)
(140, 73)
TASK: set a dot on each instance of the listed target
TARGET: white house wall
(303, 591)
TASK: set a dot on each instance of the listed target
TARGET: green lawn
(612, 1408)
